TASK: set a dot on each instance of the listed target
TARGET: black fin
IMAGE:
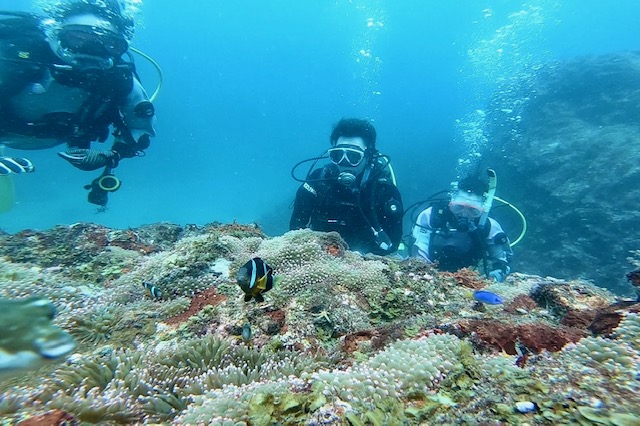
(269, 282)
(247, 297)
(259, 298)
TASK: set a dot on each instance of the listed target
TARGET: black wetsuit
(324, 204)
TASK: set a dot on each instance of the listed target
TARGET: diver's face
(466, 205)
(349, 154)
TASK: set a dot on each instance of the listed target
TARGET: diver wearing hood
(63, 80)
(458, 233)
(355, 194)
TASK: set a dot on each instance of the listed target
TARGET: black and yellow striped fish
(153, 291)
(256, 277)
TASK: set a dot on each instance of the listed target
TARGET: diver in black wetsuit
(63, 80)
(354, 195)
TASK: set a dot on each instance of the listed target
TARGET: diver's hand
(10, 165)
(91, 159)
(498, 275)
(383, 241)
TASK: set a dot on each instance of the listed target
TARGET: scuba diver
(63, 80)
(458, 232)
(355, 194)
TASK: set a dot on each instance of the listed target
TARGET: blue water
(252, 87)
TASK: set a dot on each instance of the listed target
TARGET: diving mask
(468, 206)
(343, 156)
(92, 40)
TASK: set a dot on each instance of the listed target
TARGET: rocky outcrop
(566, 146)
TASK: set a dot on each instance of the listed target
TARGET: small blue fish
(487, 297)
(246, 332)
(152, 290)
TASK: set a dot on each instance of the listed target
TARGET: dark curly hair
(476, 184)
(354, 127)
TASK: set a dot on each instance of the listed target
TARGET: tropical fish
(256, 277)
(28, 338)
(246, 332)
(487, 297)
(153, 291)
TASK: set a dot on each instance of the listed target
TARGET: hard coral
(51, 418)
(352, 342)
(374, 339)
(333, 244)
(561, 297)
(607, 319)
(62, 245)
(634, 278)
(466, 277)
(535, 337)
(236, 230)
(275, 322)
(208, 297)
(579, 319)
(521, 303)
(163, 235)
(130, 240)
(334, 250)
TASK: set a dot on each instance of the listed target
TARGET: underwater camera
(100, 187)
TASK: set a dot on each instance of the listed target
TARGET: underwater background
(150, 323)
(251, 88)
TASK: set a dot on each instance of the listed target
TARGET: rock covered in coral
(516, 338)
(634, 278)
(562, 297)
(563, 145)
(51, 418)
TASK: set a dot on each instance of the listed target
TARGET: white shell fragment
(525, 407)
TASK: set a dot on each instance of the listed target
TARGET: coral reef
(343, 339)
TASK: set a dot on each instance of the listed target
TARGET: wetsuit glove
(382, 240)
(10, 165)
(91, 159)
(499, 275)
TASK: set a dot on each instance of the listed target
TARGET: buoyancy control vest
(454, 243)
